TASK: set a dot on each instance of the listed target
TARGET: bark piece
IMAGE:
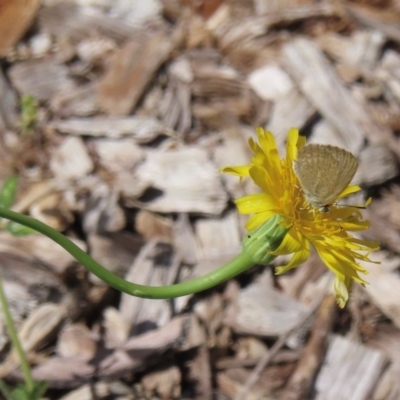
(71, 160)
(130, 71)
(155, 265)
(70, 372)
(261, 310)
(350, 371)
(8, 105)
(142, 129)
(166, 383)
(300, 383)
(41, 79)
(76, 340)
(316, 79)
(187, 180)
(16, 17)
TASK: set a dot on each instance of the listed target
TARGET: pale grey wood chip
(27, 284)
(270, 82)
(130, 187)
(291, 110)
(155, 265)
(70, 20)
(293, 10)
(40, 248)
(165, 383)
(71, 160)
(65, 372)
(377, 165)
(218, 238)
(102, 212)
(138, 352)
(76, 340)
(261, 310)
(136, 12)
(350, 371)
(187, 179)
(94, 49)
(361, 50)
(41, 79)
(212, 80)
(37, 330)
(386, 340)
(131, 69)
(99, 390)
(114, 250)
(176, 104)
(200, 373)
(118, 154)
(184, 239)
(41, 324)
(318, 81)
(53, 211)
(151, 226)
(77, 102)
(142, 129)
(384, 286)
(384, 21)
(138, 349)
(388, 74)
(8, 105)
(325, 133)
(116, 328)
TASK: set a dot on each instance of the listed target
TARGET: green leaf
(17, 229)
(8, 191)
(39, 390)
(5, 390)
(20, 393)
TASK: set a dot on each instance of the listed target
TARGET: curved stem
(227, 271)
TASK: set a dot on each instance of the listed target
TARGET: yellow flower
(282, 195)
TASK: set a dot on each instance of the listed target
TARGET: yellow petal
(240, 170)
(298, 258)
(291, 243)
(342, 292)
(349, 190)
(291, 145)
(257, 219)
(255, 203)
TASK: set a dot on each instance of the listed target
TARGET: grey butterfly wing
(324, 172)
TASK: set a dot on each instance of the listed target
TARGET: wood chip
(315, 77)
(15, 19)
(86, 392)
(8, 105)
(384, 285)
(69, 372)
(200, 191)
(258, 307)
(270, 82)
(149, 268)
(76, 340)
(71, 160)
(350, 371)
(42, 79)
(164, 383)
(130, 71)
(142, 129)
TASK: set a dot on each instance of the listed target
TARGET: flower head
(282, 195)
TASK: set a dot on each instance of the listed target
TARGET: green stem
(234, 267)
(15, 340)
